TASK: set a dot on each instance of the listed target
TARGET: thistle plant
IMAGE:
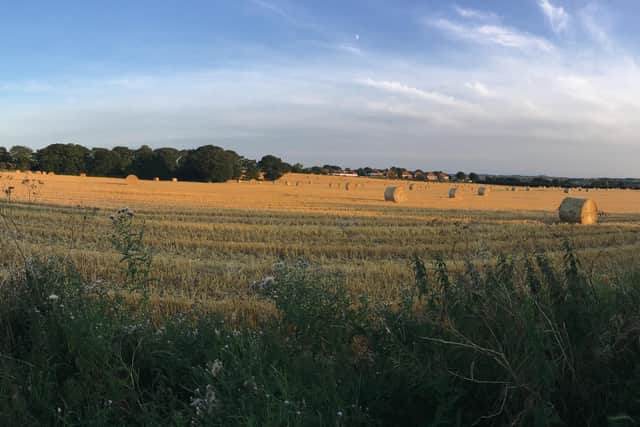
(128, 240)
(33, 187)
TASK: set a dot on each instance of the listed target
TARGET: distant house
(344, 173)
(375, 173)
(443, 177)
(407, 175)
(418, 174)
(431, 176)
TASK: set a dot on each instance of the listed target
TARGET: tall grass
(515, 341)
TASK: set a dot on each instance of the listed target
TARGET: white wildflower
(205, 404)
(215, 368)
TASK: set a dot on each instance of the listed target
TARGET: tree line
(208, 163)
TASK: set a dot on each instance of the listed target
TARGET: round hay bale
(411, 186)
(454, 193)
(578, 211)
(156, 179)
(297, 183)
(287, 183)
(83, 175)
(395, 194)
(131, 178)
(174, 179)
(513, 188)
(567, 190)
(347, 186)
(484, 191)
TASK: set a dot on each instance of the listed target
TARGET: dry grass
(209, 245)
(316, 196)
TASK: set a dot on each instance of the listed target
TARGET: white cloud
(350, 49)
(26, 87)
(492, 35)
(475, 14)
(575, 104)
(479, 88)
(556, 15)
(272, 8)
(590, 20)
(396, 87)
(569, 108)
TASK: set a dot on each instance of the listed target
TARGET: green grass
(417, 318)
(529, 340)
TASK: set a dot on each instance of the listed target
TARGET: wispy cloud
(491, 35)
(589, 19)
(341, 47)
(400, 88)
(504, 111)
(556, 15)
(272, 8)
(27, 87)
(327, 38)
(350, 49)
(475, 14)
(479, 88)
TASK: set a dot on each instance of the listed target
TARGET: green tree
(252, 171)
(124, 156)
(5, 158)
(102, 162)
(364, 171)
(461, 176)
(66, 159)
(165, 162)
(474, 177)
(21, 157)
(142, 164)
(273, 167)
(211, 164)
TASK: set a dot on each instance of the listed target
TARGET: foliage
(211, 164)
(273, 167)
(21, 157)
(66, 159)
(510, 342)
(128, 240)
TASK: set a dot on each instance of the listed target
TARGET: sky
(491, 86)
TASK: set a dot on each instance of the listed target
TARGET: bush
(515, 342)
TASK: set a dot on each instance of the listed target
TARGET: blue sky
(507, 86)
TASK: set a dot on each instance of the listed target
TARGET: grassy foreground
(526, 341)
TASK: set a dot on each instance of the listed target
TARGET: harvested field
(211, 240)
